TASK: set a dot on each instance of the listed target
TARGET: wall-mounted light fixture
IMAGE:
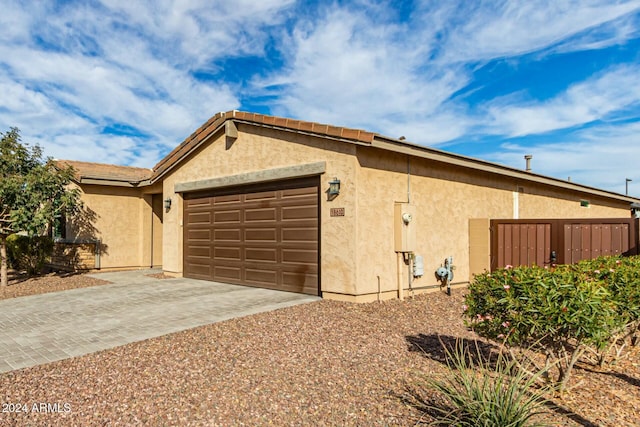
(167, 204)
(334, 188)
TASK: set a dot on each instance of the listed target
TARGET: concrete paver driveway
(44, 328)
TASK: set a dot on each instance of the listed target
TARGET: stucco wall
(113, 215)
(357, 250)
(156, 226)
(534, 203)
(446, 197)
(357, 254)
(259, 149)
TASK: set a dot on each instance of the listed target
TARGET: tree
(33, 192)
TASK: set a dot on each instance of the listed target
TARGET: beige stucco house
(307, 207)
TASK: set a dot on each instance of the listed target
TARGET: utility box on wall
(404, 228)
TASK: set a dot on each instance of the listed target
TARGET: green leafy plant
(621, 276)
(33, 192)
(559, 311)
(478, 391)
(29, 253)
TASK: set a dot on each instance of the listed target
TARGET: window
(59, 229)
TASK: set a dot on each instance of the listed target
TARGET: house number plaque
(337, 211)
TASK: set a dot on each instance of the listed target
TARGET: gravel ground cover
(20, 285)
(325, 363)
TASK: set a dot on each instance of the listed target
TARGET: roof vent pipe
(528, 158)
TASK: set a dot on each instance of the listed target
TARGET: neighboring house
(246, 199)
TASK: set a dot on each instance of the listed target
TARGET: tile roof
(133, 176)
(106, 172)
(324, 130)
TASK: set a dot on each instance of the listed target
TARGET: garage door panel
(200, 270)
(260, 255)
(299, 234)
(199, 235)
(198, 203)
(227, 235)
(262, 237)
(309, 200)
(260, 215)
(261, 196)
(297, 192)
(301, 281)
(260, 277)
(226, 200)
(227, 253)
(305, 257)
(265, 235)
(198, 218)
(199, 252)
(302, 201)
(222, 273)
(299, 212)
(300, 276)
(227, 216)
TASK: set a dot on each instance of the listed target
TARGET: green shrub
(481, 392)
(29, 253)
(621, 276)
(559, 311)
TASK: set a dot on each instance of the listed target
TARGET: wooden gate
(560, 241)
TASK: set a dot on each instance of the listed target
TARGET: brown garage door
(262, 235)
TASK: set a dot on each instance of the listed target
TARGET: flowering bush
(621, 275)
(561, 311)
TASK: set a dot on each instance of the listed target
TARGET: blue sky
(124, 81)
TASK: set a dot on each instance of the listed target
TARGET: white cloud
(600, 157)
(494, 29)
(71, 69)
(74, 69)
(351, 67)
(344, 70)
(617, 31)
(14, 21)
(34, 113)
(612, 91)
(200, 30)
